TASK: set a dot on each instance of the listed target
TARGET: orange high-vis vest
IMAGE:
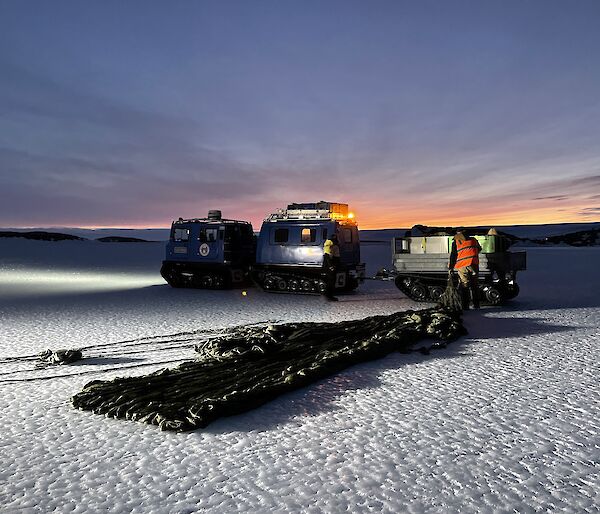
(467, 253)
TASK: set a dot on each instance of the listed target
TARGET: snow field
(504, 420)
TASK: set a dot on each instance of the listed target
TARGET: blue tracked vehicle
(289, 255)
(209, 253)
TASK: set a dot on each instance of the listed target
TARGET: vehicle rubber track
(180, 277)
(284, 282)
(430, 289)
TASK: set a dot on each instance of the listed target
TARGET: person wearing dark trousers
(331, 263)
(464, 258)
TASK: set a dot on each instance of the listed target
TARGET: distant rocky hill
(587, 234)
(147, 234)
(120, 239)
(580, 238)
(41, 236)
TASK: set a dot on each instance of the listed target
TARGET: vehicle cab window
(211, 235)
(208, 235)
(308, 235)
(280, 235)
(181, 234)
(347, 235)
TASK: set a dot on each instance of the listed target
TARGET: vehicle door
(210, 243)
(349, 244)
(178, 248)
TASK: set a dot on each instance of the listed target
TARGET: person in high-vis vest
(464, 258)
(331, 262)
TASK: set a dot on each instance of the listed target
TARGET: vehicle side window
(211, 234)
(181, 234)
(308, 235)
(281, 235)
(324, 234)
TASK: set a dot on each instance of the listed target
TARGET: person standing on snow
(331, 262)
(464, 258)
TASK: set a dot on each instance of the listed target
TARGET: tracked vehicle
(421, 264)
(209, 253)
(289, 255)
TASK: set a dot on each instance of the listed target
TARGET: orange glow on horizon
(378, 222)
(515, 218)
(381, 217)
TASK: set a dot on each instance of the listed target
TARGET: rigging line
(196, 340)
(214, 332)
(85, 360)
(107, 370)
(208, 333)
(6, 360)
(116, 353)
(36, 356)
(134, 352)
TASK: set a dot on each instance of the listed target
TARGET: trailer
(420, 261)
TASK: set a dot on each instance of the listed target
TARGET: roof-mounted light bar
(312, 211)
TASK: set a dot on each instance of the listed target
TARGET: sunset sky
(134, 113)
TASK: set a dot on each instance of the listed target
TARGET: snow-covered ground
(506, 419)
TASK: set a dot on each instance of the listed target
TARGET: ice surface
(505, 419)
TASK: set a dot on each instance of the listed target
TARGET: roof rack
(311, 211)
(211, 221)
(214, 217)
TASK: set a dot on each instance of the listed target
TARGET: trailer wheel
(402, 282)
(493, 295)
(512, 291)
(321, 286)
(220, 281)
(281, 284)
(436, 292)
(207, 281)
(171, 276)
(294, 285)
(351, 284)
(174, 280)
(418, 292)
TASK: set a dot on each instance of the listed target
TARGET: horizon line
(138, 227)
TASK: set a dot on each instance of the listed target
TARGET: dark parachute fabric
(248, 366)
(451, 299)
